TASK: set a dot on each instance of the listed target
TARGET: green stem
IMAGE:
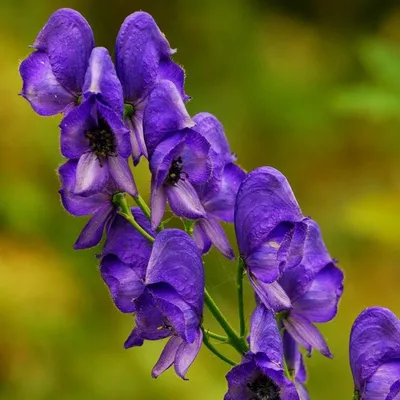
(212, 348)
(239, 285)
(238, 343)
(125, 211)
(143, 206)
(216, 336)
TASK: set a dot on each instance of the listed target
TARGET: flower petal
(186, 354)
(294, 358)
(78, 205)
(101, 80)
(264, 335)
(264, 200)
(139, 49)
(374, 340)
(91, 177)
(73, 128)
(184, 201)
(41, 88)
(167, 357)
(171, 71)
(221, 204)
(93, 230)
(271, 295)
(320, 302)
(120, 171)
(158, 201)
(68, 41)
(306, 334)
(176, 260)
(212, 228)
(135, 126)
(202, 240)
(165, 113)
(123, 281)
(384, 383)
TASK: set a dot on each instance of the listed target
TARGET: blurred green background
(310, 87)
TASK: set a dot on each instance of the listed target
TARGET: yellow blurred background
(310, 87)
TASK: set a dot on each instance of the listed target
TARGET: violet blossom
(143, 58)
(167, 295)
(94, 132)
(260, 375)
(53, 75)
(375, 355)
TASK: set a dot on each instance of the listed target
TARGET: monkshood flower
(143, 57)
(177, 164)
(99, 206)
(218, 194)
(167, 295)
(314, 287)
(270, 232)
(375, 355)
(260, 375)
(94, 132)
(53, 75)
(295, 364)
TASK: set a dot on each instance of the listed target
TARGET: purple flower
(295, 365)
(167, 295)
(314, 287)
(177, 164)
(270, 231)
(53, 75)
(99, 206)
(219, 193)
(94, 131)
(260, 375)
(143, 58)
(375, 354)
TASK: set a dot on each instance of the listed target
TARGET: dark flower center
(263, 388)
(176, 172)
(102, 141)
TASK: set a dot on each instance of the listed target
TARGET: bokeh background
(310, 87)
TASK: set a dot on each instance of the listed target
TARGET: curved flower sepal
(53, 75)
(261, 375)
(375, 353)
(295, 364)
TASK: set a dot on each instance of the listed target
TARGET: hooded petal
(40, 86)
(167, 357)
(78, 205)
(67, 39)
(140, 49)
(175, 260)
(296, 281)
(264, 200)
(73, 128)
(384, 383)
(93, 230)
(123, 281)
(221, 204)
(211, 129)
(374, 340)
(201, 238)
(165, 113)
(213, 229)
(184, 200)
(186, 354)
(264, 335)
(91, 176)
(320, 302)
(306, 334)
(101, 80)
(171, 71)
(120, 171)
(124, 241)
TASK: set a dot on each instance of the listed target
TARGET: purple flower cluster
(137, 109)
